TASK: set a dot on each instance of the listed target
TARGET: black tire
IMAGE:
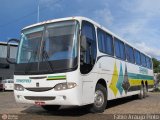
(51, 108)
(95, 108)
(141, 92)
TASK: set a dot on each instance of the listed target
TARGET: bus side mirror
(9, 59)
(83, 43)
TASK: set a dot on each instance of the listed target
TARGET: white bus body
(120, 78)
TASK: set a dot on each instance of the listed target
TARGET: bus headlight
(18, 87)
(64, 86)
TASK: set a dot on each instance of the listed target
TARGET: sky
(136, 21)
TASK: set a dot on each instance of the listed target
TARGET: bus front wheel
(51, 107)
(100, 99)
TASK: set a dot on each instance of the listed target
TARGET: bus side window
(105, 42)
(130, 54)
(147, 61)
(119, 49)
(88, 53)
(137, 57)
(150, 63)
(143, 60)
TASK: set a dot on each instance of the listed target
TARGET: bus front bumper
(51, 97)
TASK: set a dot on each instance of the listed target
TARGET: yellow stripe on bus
(135, 82)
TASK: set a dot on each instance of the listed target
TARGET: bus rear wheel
(51, 107)
(145, 91)
(142, 93)
(100, 99)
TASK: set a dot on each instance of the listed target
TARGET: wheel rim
(99, 98)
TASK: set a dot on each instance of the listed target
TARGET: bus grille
(40, 89)
(39, 98)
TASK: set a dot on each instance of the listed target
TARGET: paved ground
(129, 105)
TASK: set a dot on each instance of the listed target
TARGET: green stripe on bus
(56, 77)
(139, 76)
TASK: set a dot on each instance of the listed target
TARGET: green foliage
(158, 77)
(156, 65)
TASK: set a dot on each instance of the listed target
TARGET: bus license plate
(39, 103)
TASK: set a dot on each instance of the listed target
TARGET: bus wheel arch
(143, 90)
(146, 88)
(146, 84)
(100, 97)
(102, 82)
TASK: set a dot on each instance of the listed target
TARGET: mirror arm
(8, 50)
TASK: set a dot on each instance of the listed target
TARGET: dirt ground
(120, 109)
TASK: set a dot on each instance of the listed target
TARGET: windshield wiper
(46, 56)
(33, 54)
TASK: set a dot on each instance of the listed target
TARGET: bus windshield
(48, 44)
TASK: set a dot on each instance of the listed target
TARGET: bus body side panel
(105, 70)
(138, 75)
(88, 86)
(123, 78)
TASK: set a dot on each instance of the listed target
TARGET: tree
(156, 65)
(158, 77)
(157, 81)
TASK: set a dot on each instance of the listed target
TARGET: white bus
(75, 61)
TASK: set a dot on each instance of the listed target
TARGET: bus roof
(80, 18)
